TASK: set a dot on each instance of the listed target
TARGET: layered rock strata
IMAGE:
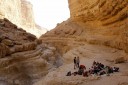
(102, 22)
(102, 11)
(23, 58)
(20, 12)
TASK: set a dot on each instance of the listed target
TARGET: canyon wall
(27, 14)
(20, 12)
(24, 58)
(101, 22)
(11, 9)
(104, 12)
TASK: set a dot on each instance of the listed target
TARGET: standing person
(78, 62)
(75, 64)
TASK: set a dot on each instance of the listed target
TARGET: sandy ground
(87, 54)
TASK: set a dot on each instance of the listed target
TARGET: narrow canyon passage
(96, 30)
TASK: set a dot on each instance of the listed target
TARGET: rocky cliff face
(27, 14)
(23, 58)
(102, 11)
(20, 12)
(11, 9)
(101, 22)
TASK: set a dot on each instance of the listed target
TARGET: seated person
(81, 71)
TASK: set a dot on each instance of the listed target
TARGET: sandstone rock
(47, 54)
(98, 10)
(20, 12)
(16, 35)
(12, 50)
(18, 48)
(119, 60)
(8, 24)
(4, 36)
(102, 22)
(25, 47)
(8, 42)
(52, 48)
(4, 50)
(124, 83)
(29, 46)
(31, 37)
(0, 38)
(38, 41)
(17, 43)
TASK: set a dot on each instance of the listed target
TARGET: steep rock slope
(20, 12)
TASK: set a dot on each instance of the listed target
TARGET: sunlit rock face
(105, 11)
(27, 14)
(107, 21)
(20, 12)
(102, 22)
(11, 9)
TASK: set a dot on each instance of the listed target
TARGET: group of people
(100, 69)
(96, 68)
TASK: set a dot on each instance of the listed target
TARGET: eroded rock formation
(20, 12)
(24, 58)
(106, 12)
(102, 22)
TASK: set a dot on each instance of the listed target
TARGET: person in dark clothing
(75, 64)
(77, 61)
(80, 71)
